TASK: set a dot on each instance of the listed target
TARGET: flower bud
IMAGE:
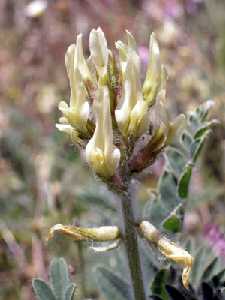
(101, 154)
(81, 61)
(99, 51)
(153, 77)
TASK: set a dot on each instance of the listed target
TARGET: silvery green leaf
(167, 188)
(96, 199)
(203, 110)
(70, 292)
(112, 286)
(154, 212)
(59, 277)
(186, 140)
(42, 290)
(197, 146)
(175, 159)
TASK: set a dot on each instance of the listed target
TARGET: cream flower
(68, 129)
(131, 115)
(77, 112)
(101, 154)
(99, 51)
(154, 71)
(127, 49)
(80, 60)
(169, 249)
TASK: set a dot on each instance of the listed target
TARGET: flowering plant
(121, 127)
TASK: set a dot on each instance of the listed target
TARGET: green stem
(82, 269)
(132, 249)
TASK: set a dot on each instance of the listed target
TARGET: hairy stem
(132, 249)
(82, 270)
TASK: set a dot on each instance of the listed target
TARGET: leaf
(155, 212)
(96, 199)
(174, 294)
(220, 276)
(199, 115)
(186, 140)
(184, 181)
(62, 287)
(112, 286)
(172, 224)
(174, 182)
(70, 291)
(59, 277)
(175, 160)
(203, 110)
(206, 266)
(167, 188)
(158, 285)
(42, 290)
(201, 131)
(161, 207)
(209, 271)
(197, 146)
(197, 118)
(201, 259)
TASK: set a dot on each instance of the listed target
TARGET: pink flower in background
(163, 9)
(171, 9)
(215, 238)
(192, 6)
(144, 54)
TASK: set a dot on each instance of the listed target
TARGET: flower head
(109, 109)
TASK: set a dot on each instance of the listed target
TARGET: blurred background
(43, 181)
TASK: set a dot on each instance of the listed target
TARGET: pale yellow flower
(101, 154)
(73, 134)
(103, 233)
(99, 51)
(169, 249)
(152, 82)
(77, 112)
(131, 115)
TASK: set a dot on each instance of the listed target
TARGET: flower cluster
(110, 110)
